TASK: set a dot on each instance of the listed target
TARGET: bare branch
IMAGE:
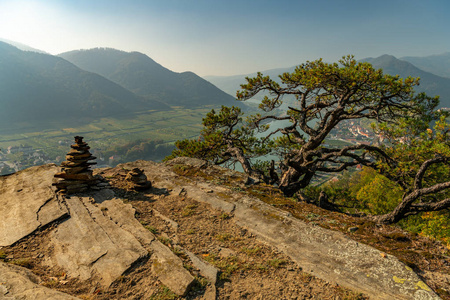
(419, 176)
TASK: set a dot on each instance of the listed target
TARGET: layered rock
(27, 203)
(20, 283)
(76, 175)
(138, 179)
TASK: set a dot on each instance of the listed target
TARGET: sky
(231, 37)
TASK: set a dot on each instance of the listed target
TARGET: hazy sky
(228, 37)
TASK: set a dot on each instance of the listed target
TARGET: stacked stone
(76, 174)
(138, 179)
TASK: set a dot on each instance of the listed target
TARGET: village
(18, 157)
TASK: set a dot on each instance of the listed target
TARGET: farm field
(106, 133)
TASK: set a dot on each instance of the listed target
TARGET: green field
(106, 133)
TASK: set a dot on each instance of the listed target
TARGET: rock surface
(19, 283)
(27, 203)
(166, 265)
(101, 239)
(90, 244)
(76, 175)
(330, 255)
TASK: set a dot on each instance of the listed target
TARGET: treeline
(145, 149)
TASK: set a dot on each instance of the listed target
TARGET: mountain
(41, 87)
(429, 83)
(142, 75)
(22, 46)
(437, 64)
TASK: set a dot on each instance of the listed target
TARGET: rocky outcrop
(27, 203)
(100, 239)
(327, 254)
(19, 283)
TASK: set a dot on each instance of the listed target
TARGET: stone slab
(27, 203)
(91, 245)
(19, 283)
(331, 255)
(167, 266)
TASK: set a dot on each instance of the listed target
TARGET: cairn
(138, 180)
(76, 175)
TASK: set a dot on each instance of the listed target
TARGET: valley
(105, 135)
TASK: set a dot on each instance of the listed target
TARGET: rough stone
(27, 203)
(75, 175)
(166, 265)
(89, 243)
(139, 180)
(208, 271)
(19, 283)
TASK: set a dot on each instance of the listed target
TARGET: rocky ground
(197, 212)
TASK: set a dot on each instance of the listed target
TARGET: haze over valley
(129, 105)
(134, 78)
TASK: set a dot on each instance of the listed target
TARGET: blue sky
(217, 37)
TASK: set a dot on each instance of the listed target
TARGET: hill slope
(429, 83)
(437, 64)
(143, 76)
(36, 87)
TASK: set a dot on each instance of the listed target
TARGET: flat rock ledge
(324, 253)
(102, 239)
(99, 238)
(28, 203)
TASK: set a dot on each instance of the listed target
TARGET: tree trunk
(291, 183)
(238, 154)
(389, 218)
(399, 212)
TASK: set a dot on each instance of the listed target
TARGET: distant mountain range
(436, 64)
(36, 87)
(430, 83)
(22, 46)
(143, 76)
(89, 84)
(231, 84)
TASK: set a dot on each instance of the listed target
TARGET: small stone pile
(138, 179)
(76, 174)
